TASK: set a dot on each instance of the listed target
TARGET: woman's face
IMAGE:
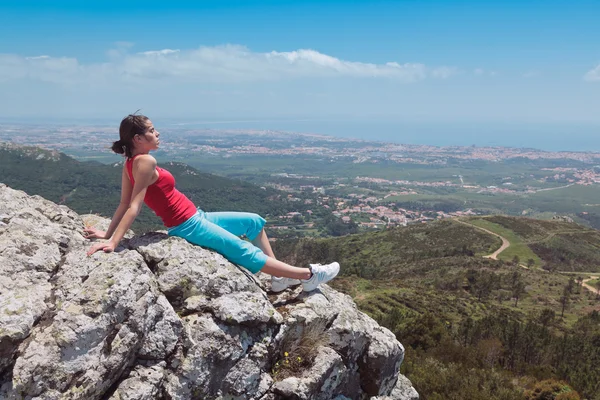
(149, 140)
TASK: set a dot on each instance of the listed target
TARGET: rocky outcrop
(162, 319)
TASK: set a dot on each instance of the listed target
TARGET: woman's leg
(238, 223)
(202, 231)
(310, 278)
(242, 223)
(262, 242)
(277, 268)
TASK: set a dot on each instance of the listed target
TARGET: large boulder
(162, 319)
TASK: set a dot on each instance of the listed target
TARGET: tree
(565, 299)
(423, 331)
(517, 286)
(464, 330)
(393, 318)
(530, 263)
(335, 227)
(579, 283)
(516, 260)
(546, 317)
(490, 351)
(485, 283)
(517, 291)
(514, 278)
(598, 289)
(570, 285)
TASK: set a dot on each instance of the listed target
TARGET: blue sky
(435, 62)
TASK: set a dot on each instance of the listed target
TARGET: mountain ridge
(94, 187)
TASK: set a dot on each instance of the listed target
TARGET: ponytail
(120, 148)
(131, 125)
(117, 147)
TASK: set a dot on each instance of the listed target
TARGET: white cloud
(444, 72)
(309, 62)
(593, 74)
(229, 63)
(42, 68)
(481, 72)
(163, 52)
(37, 58)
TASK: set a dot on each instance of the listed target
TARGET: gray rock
(247, 380)
(403, 390)
(34, 236)
(164, 329)
(247, 308)
(324, 381)
(183, 270)
(380, 364)
(142, 384)
(160, 318)
(96, 332)
(372, 352)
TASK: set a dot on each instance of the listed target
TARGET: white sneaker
(280, 284)
(321, 274)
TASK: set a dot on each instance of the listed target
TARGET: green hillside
(93, 187)
(474, 328)
(394, 252)
(558, 245)
(448, 257)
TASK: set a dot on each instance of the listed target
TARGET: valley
(508, 300)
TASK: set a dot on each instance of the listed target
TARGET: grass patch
(299, 354)
(517, 246)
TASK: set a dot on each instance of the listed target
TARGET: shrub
(551, 389)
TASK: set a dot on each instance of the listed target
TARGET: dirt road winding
(505, 243)
(590, 287)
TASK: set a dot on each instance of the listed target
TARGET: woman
(143, 181)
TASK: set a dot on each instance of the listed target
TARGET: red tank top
(167, 202)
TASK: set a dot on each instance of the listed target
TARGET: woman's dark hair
(131, 125)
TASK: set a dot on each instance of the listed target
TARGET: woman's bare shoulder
(145, 160)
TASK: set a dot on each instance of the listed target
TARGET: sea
(541, 136)
(559, 136)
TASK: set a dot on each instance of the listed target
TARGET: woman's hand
(93, 233)
(108, 247)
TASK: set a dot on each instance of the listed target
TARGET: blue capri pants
(221, 231)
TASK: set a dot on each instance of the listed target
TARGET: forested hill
(525, 326)
(93, 187)
(549, 245)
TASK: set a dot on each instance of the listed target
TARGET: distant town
(261, 142)
(369, 198)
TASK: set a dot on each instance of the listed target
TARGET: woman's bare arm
(126, 189)
(144, 171)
